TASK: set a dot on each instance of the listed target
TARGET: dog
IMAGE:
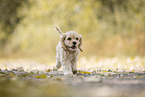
(67, 51)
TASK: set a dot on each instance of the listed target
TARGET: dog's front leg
(74, 65)
(74, 68)
(67, 68)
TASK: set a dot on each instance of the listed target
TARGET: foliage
(9, 17)
(109, 27)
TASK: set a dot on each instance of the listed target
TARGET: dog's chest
(70, 56)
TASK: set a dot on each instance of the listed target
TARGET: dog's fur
(68, 51)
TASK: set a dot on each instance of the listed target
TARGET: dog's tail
(58, 30)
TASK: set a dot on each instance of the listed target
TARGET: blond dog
(68, 50)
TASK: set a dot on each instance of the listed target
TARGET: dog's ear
(79, 46)
(62, 39)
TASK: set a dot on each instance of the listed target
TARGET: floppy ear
(79, 46)
(62, 39)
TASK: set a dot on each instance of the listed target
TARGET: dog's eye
(77, 39)
(69, 39)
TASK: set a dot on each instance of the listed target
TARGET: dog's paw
(74, 71)
(68, 72)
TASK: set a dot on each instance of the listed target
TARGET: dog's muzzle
(73, 47)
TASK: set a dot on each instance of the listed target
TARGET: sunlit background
(109, 27)
(113, 46)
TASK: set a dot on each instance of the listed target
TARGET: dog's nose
(74, 43)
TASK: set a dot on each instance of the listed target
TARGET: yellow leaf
(41, 76)
(51, 75)
(85, 72)
(132, 72)
(12, 75)
(104, 71)
(37, 76)
(48, 70)
(115, 72)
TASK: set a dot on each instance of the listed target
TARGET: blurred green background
(108, 27)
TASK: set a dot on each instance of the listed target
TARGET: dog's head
(71, 41)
